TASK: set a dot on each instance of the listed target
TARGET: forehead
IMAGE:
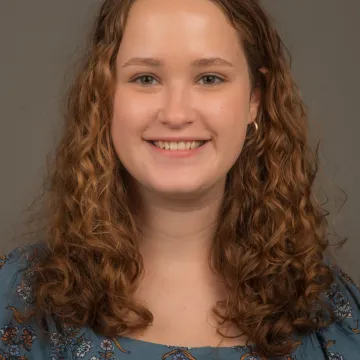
(179, 28)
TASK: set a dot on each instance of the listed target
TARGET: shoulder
(16, 269)
(344, 293)
(18, 340)
(341, 340)
(25, 341)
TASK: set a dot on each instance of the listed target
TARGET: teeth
(181, 145)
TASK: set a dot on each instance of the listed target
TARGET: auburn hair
(269, 245)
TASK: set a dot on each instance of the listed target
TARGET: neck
(179, 230)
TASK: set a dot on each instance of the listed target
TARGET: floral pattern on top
(18, 341)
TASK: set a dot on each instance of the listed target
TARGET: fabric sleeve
(18, 340)
(341, 340)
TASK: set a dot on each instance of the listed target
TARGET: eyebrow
(155, 62)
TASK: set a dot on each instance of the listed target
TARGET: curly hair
(270, 242)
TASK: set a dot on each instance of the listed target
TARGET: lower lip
(178, 153)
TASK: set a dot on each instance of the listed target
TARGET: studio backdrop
(40, 40)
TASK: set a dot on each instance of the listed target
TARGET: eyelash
(134, 80)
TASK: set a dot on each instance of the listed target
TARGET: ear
(254, 104)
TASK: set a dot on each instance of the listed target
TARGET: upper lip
(178, 138)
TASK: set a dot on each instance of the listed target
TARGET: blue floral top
(340, 341)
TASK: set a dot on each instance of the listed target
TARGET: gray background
(41, 39)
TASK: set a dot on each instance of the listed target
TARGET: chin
(176, 188)
(176, 191)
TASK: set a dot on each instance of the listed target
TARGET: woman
(181, 223)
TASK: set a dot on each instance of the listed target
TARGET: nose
(177, 111)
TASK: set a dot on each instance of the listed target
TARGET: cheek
(229, 115)
(131, 113)
(124, 127)
(229, 122)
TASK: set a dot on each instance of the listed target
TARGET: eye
(147, 80)
(144, 80)
(211, 79)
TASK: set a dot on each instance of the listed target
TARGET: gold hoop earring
(256, 126)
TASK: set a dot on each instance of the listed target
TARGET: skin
(178, 99)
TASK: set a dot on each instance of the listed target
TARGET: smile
(178, 145)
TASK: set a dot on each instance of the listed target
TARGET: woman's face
(182, 78)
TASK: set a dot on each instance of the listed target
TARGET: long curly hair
(269, 245)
